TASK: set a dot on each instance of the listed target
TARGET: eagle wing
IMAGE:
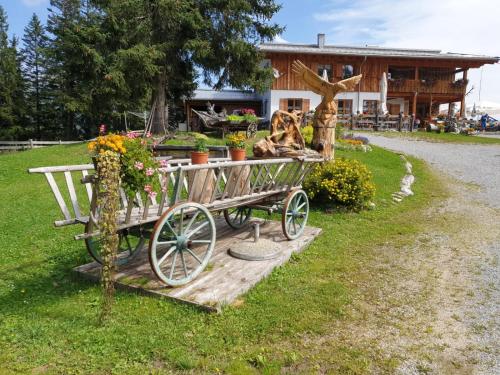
(346, 84)
(318, 85)
(314, 82)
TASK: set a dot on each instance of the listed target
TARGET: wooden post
(414, 104)
(430, 107)
(462, 101)
(31, 143)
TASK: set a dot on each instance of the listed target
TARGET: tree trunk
(159, 121)
(324, 135)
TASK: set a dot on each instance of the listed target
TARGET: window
(294, 104)
(370, 107)
(328, 68)
(347, 71)
(344, 107)
(401, 72)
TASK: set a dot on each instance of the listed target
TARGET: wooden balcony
(435, 87)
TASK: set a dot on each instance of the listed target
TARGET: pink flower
(150, 172)
(163, 163)
(102, 129)
(152, 194)
(148, 135)
(131, 135)
(138, 165)
(148, 188)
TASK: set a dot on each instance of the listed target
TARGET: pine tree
(34, 71)
(177, 38)
(11, 85)
(7, 69)
(74, 63)
(19, 89)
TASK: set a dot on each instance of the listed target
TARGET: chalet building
(418, 80)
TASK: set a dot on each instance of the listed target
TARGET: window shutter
(305, 105)
(283, 104)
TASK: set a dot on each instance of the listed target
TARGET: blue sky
(450, 25)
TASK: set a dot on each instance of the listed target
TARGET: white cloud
(279, 39)
(450, 25)
(34, 3)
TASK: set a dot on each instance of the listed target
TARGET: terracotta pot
(237, 154)
(199, 157)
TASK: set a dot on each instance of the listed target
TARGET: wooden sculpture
(285, 139)
(325, 117)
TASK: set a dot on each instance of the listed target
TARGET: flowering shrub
(248, 111)
(351, 145)
(110, 142)
(249, 117)
(236, 140)
(353, 142)
(364, 140)
(138, 168)
(343, 182)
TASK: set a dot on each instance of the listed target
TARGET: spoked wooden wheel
(295, 213)
(237, 217)
(181, 243)
(131, 241)
(251, 130)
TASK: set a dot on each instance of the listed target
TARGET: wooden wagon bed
(179, 221)
(223, 125)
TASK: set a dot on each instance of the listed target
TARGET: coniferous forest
(93, 60)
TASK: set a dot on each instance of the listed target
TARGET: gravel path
(476, 164)
(464, 255)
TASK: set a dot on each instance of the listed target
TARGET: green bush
(307, 133)
(339, 132)
(342, 182)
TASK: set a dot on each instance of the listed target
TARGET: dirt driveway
(438, 309)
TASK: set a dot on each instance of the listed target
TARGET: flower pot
(237, 154)
(199, 157)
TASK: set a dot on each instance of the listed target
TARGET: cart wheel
(237, 217)
(295, 213)
(130, 243)
(181, 243)
(252, 130)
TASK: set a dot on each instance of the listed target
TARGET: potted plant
(236, 144)
(200, 156)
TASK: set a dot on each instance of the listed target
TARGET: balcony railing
(422, 86)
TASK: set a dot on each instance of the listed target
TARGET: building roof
(370, 51)
(225, 95)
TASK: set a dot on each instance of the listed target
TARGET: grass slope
(435, 137)
(48, 319)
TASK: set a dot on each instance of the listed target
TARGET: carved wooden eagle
(321, 87)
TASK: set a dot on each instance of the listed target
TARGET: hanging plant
(126, 161)
(108, 177)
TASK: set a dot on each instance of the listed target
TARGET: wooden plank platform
(224, 279)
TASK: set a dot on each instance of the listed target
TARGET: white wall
(275, 96)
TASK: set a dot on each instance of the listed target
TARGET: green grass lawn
(48, 319)
(441, 137)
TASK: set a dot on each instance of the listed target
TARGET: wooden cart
(223, 125)
(179, 224)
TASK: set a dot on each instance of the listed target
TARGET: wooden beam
(414, 104)
(462, 100)
(430, 107)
